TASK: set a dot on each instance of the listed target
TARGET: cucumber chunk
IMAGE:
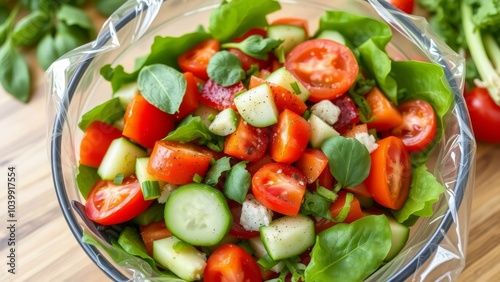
(126, 93)
(286, 79)
(256, 106)
(400, 234)
(260, 252)
(291, 35)
(224, 123)
(288, 236)
(143, 176)
(320, 130)
(198, 214)
(120, 158)
(182, 259)
(332, 35)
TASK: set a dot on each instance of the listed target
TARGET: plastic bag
(436, 252)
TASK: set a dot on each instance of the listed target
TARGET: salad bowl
(435, 248)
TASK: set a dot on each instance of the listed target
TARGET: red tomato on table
(484, 115)
(231, 263)
(96, 140)
(326, 68)
(109, 204)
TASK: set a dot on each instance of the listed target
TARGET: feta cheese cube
(327, 111)
(367, 140)
(254, 215)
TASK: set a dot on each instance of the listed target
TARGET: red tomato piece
(419, 125)
(247, 142)
(145, 123)
(279, 187)
(290, 137)
(349, 115)
(196, 59)
(484, 115)
(390, 173)
(359, 189)
(95, 142)
(152, 232)
(325, 67)
(250, 32)
(247, 61)
(358, 128)
(335, 208)
(178, 163)
(219, 97)
(253, 167)
(236, 229)
(404, 5)
(109, 204)
(190, 101)
(231, 263)
(312, 163)
(385, 115)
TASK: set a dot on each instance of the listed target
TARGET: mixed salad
(251, 150)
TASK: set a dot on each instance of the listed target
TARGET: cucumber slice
(256, 106)
(320, 131)
(400, 234)
(182, 259)
(224, 123)
(285, 79)
(291, 35)
(198, 214)
(126, 93)
(332, 35)
(288, 236)
(260, 252)
(143, 176)
(120, 158)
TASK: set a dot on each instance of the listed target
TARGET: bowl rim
(109, 269)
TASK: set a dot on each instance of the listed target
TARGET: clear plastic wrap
(437, 245)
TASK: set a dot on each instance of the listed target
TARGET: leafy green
(117, 76)
(14, 72)
(350, 252)
(162, 86)
(153, 213)
(85, 179)
(73, 16)
(108, 112)
(216, 170)
(108, 7)
(316, 205)
(236, 17)
(31, 28)
(225, 69)
(192, 128)
(255, 46)
(238, 182)
(348, 159)
(425, 190)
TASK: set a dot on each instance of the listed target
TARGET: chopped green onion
(197, 178)
(280, 55)
(211, 117)
(295, 87)
(345, 209)
(267, 262)
(150, 190)
(306, 114)
(118, 179)
(330, 195)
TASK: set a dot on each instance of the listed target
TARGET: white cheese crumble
(327, 111)
(367, 140)
(165, 192)
(254, 215)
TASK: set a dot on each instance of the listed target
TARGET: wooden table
(47, 251)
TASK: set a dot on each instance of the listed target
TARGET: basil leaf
(108, 7)
(31, 28)
(316, 205)
(46, 52)
(162, 86)
(225, 69)
(350, 252)
(234, 18)
(108, 112)
(73, 16)
(68, 38)
(14, 72)
(4, 14)
(86, 178)
(255, 46)
(348, 159)
(117, 76)
(425, 190)
(192, 128)
(216, 170)
(237, 182)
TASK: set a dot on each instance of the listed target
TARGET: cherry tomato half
(290, 137)
(325, 67)
(390, 173)
(279, 187)
(109, 204)
(484, 115)
(196, 59)
(419, 125)
(247, 142)
(231, 263)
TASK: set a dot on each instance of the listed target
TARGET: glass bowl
(436, 244)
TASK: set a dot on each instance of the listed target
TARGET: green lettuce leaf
(108, 112)
(192, 128)
(238, 182)
(85, 179)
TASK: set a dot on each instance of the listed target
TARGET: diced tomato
(358, 128)
(108, 203)
(325, 179)
(219, 97)
(191, 97)
(359, 189)
(231, 263)
(236, 229)
(349, 115)
(326, 68)
(152, 232)
(247, 61)
(335, 209)
(404, 5)
(252, 167)
(290, 137)
(255, 81)
(279, 187)
(247, 142)
(145, 123)
(196, 59)
(390, 173)
(312, 163)
(384, 113)
(96, 141)
(178, 163)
